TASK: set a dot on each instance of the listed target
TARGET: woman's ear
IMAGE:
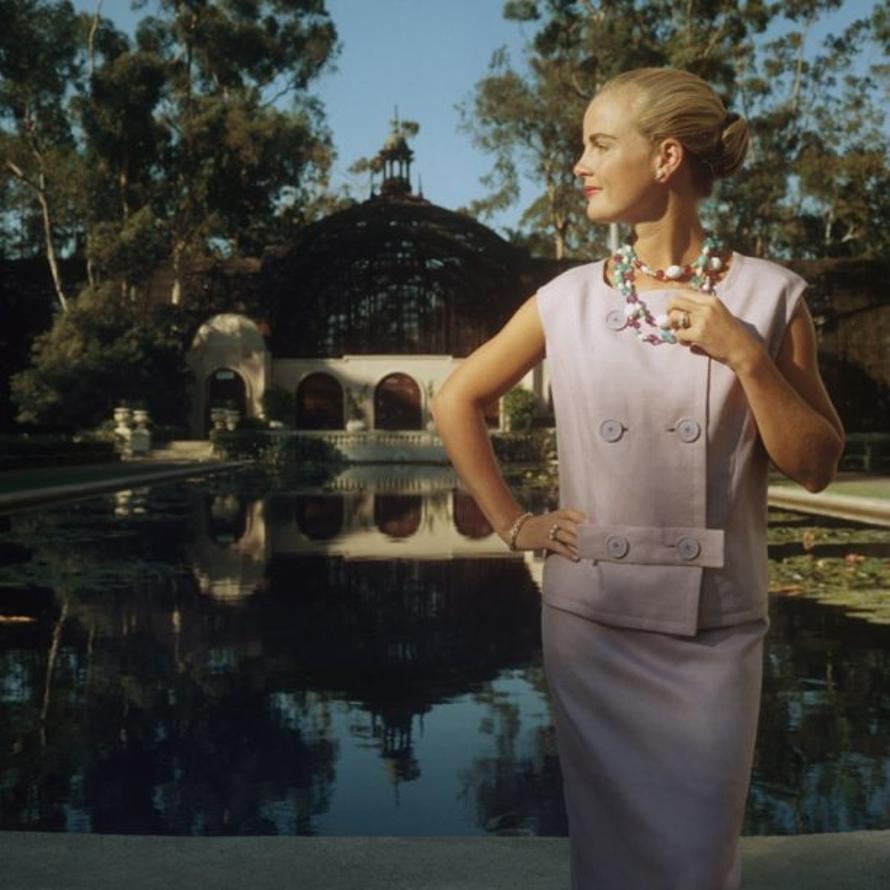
(668, 158)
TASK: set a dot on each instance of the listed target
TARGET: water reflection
(236, 655)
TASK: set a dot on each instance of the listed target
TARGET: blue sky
(423, 56)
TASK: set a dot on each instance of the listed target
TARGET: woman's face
(618, 166)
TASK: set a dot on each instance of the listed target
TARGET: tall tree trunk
(50, 245)
(559, 241)
(124, 182)
(176, 290)
(39, 190)
(557, 219)
(91, 38)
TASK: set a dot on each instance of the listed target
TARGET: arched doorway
(319, 403)
(225, 389)
(397, 403)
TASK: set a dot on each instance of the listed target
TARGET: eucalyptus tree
(817, 183)
(234, 160)
(40, 64)
(528, 116)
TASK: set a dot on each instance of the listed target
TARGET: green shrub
(240, 444)
(288, 450)
(274, 448)
(99, 354)
(519, 407)
(535, 446)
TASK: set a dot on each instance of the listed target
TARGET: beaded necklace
(702, 272)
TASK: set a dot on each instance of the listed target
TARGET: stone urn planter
(231, 419)
(140, 417)
(218, 418)
(123, 419)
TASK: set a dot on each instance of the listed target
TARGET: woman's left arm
(800, 428)
(799, 425)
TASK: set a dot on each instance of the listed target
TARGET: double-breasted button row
(688, 430)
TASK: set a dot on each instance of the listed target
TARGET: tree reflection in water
(231, 656)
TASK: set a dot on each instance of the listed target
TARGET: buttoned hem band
(652, 544)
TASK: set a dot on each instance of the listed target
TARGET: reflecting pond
(242, 654)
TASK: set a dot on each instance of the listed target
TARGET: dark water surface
(233, 656)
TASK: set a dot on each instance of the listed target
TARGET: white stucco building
(369, 311)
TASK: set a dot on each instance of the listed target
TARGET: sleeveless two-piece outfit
(653, 640)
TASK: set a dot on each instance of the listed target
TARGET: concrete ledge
(855, 860)
(78, 490)
(873, 510)
(47, 861)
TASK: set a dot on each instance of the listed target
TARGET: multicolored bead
(703, 274)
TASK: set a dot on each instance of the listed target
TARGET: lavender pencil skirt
(655, 734)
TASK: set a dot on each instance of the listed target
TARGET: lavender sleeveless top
(659, 447)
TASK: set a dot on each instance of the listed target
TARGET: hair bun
(732, 145)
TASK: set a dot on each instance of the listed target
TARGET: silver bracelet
(514, 530)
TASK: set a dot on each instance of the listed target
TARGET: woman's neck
(672, 240)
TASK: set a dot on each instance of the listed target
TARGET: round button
(611, 430)
(688, 548)
(689, 430)
(617, 546)
(616, 319)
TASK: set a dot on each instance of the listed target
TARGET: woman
(668, 408)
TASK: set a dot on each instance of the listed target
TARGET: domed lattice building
(369, 310)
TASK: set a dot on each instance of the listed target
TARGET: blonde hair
(670, 102)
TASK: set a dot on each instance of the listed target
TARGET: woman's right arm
(481, 378)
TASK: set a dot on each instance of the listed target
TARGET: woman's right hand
(534, 532)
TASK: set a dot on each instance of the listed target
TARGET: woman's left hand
(713, 329)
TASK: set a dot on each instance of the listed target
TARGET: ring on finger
(553, 530)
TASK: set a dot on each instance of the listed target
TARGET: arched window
(319, 403)
(397, 403)
(398, 515)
